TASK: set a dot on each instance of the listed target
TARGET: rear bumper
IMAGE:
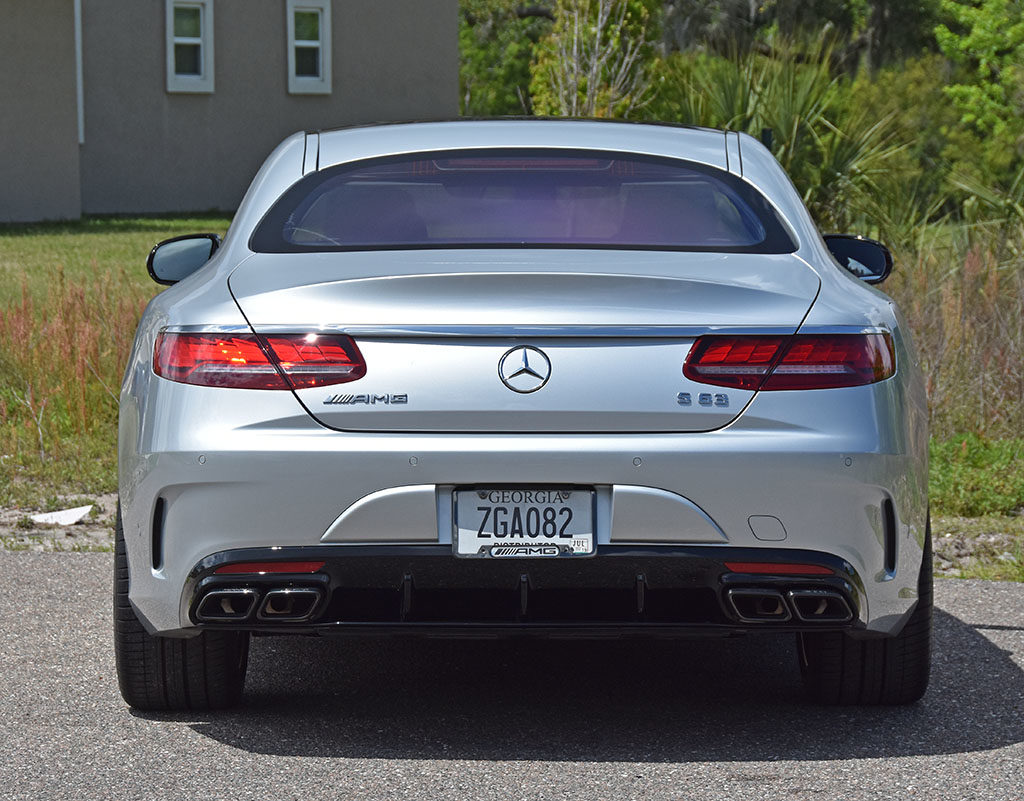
(424, 589)
(826, 474)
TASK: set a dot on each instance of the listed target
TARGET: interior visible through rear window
(522, 198)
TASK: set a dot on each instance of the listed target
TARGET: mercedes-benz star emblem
(524, 369)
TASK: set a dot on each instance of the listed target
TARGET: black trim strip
(889, 535)
(157, 534)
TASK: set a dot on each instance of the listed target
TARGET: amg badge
(369, 400)
(525, 550)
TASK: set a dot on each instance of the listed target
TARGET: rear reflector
(270, 567)
(779, 568)
(804, 361)
(247, 361)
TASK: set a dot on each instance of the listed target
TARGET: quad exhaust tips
(219, 606)
(758, 606)
(282, 605)
(820, 605)
(807, 605)
(292, 604)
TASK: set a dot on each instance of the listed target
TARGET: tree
(596, 60)
(496, 42)
(716, 25)
(875, 32)
(986, 41)
(896, 30)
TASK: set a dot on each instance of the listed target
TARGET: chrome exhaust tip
(291, 604)
(820, 606)
(219, 606)
(759, 606)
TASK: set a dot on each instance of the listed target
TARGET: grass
(975, 477)
(87, 252)
(71, 295)
(961, 289)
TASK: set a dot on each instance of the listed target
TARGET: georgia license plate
(528, 522)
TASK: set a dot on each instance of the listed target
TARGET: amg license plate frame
(526, 522)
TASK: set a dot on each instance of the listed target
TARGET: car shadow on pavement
(635, 701)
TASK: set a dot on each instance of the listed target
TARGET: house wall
(147, 150)
(39, 176)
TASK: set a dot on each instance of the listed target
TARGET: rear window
(520, 198)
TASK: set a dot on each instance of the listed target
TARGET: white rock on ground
(63, 517)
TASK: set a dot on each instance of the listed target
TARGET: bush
(841, 155)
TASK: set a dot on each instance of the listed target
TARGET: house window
(309, 47)
(190, 46)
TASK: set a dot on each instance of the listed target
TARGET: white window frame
(301, 84)
(202, 83)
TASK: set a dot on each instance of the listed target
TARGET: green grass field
(87, 253)
(70, 298)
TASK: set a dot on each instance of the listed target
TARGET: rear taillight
(805, 361)
(247, 361)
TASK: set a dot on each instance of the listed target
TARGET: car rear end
(565, 417)
(785, 497)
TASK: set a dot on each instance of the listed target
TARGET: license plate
(524, 523)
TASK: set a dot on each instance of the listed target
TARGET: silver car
(522, 378)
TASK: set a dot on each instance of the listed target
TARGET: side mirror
(867, 259)
(177, 258)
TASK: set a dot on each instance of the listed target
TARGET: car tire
(171, 673)
(840, 670)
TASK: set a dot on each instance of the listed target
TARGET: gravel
(96, 533)
(963, 544)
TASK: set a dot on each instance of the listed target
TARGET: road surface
(342, 719)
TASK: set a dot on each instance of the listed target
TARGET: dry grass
(61, 357)
(962, 291)
(70, 298)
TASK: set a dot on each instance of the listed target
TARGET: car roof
(703, 145)
(529, 119)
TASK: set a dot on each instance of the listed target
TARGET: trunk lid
(608, 331)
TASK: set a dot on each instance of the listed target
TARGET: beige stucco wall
(38, 111)
(147, 150)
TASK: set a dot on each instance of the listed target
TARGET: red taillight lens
(210, 360)
(834, 360)
(317, 360)
(740, 362)
(245, 361)
(805, 361)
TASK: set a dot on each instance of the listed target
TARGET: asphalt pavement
(443, 719)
